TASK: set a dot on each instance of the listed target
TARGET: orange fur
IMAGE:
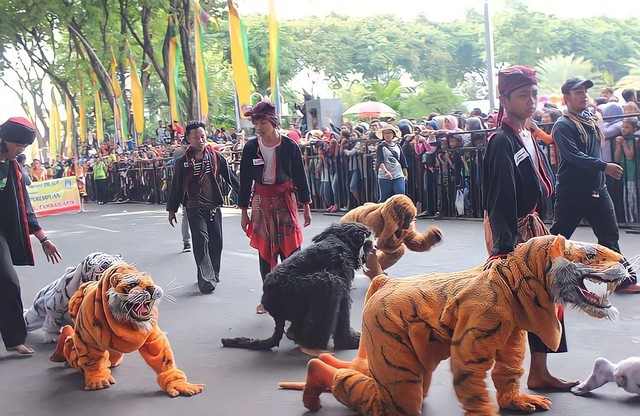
(476, 317)
(100, 339)
(392, 223)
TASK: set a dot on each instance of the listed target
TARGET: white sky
(438, 10)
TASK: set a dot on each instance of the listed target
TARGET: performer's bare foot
(541, 379)
(21, 349)
(58, 354)
(319, 378)
(313, 352)
(260, 310)
(548, 382)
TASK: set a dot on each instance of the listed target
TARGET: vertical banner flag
(68, 132)
(98, 109)
(239, 60)
(54, 128)
(137, 101)
(119, 119)
(274, 57)
(82, 117)
(200, 18)
(173, 69)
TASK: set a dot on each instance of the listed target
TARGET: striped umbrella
(370, 109)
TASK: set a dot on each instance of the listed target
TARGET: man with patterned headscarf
(18, 222)
(271, 169)
(516, 180)
(582, 190)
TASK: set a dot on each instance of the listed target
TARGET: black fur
(311, 290)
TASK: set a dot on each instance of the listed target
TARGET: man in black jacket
(17, 221)
(195, 186)
(515, 181)
(582, 190)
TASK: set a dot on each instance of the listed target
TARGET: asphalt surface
(240, 382)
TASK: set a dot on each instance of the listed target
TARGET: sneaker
(186, 248)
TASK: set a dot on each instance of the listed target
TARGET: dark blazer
(289, 167)
(182, 173)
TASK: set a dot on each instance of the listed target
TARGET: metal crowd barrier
(437, 191)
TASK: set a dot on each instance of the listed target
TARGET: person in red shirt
(178, 130)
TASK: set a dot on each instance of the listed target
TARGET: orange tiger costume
(115, 315)
(477, 317)
(392, 223)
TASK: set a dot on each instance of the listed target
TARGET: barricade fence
(443, 183)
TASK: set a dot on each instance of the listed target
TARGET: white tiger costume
(50, 310)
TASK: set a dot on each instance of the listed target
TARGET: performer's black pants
(206, 235)
(12, 326)
(101, 190)
(265, 265)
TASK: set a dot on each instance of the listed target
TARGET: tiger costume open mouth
(588, 287)
(141, 311)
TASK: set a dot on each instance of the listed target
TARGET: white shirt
(530, 145)
(269, 157)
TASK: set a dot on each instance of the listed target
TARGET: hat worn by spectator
(18, 130)
(387, 127)
(575, 83)
(264, 110)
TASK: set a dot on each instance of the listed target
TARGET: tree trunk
(185, 24)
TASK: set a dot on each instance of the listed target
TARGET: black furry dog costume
(311, 290)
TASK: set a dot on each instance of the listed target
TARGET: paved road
(245, 382)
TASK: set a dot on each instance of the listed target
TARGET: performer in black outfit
(195, 186)
(515, 181)
(17, 221)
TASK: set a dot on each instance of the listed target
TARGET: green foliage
(555, 70)
(632, 80)
(432, 96)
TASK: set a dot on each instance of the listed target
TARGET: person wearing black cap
(581, 188)
(18, 221)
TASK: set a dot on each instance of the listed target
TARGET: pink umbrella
(370, 109)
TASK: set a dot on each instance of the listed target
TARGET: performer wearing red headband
(18, 221)
(272, 168)
(516, 183)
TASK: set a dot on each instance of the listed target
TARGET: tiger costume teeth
(116, 315)
(477, 317)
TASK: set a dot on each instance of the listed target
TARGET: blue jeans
(390, 187)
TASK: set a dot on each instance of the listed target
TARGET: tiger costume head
(551, 270)
(132, 296)
(398, 210)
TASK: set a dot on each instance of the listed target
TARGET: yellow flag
(137, 100)
(98, 109)
(114, 80)
(68, 133)
(201, 78)
(239, 60)
(54, 128)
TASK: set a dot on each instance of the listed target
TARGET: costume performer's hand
(51, 251)
(244, 220)
(172, 219)
(306, 212)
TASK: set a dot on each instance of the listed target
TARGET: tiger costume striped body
(477, 317)
(50, 309)
(117, 315)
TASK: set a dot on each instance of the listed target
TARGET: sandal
(261, 310)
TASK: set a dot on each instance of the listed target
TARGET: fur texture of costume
(50, 309)
(626, 374)
(311, 290)
(478, 318)
(392, 224)
(117, 315)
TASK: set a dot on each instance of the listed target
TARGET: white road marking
(100, 228)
